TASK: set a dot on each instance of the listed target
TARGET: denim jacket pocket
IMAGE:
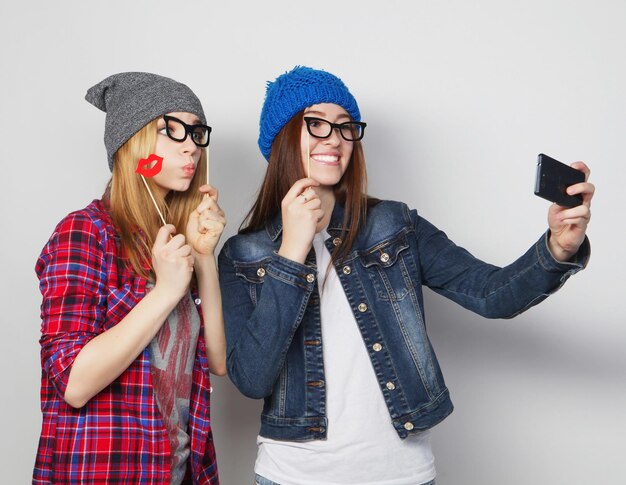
(253, 273)
(387, 265)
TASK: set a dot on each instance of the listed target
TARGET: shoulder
(389, 215)
(85, 228)
(249, 246)
(389, 208)
(93, 219)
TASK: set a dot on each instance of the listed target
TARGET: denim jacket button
(391, 386)
(362, 307)
(337, 241)
(377, 347)
(408, 426)
(347, 270)
(310, 278)
(260, 272)
(384, 257)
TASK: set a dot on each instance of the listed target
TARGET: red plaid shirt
(118, 436)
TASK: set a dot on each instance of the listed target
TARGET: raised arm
(204, 229)
(82, 352)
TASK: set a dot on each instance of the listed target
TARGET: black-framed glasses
(321, 128)
(178, 130)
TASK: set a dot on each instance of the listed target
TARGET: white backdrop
(459, 97)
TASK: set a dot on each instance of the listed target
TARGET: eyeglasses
(321, 128)
(178, 130)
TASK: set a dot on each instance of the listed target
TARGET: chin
(183, 187)
(326, 181)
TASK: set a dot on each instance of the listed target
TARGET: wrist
(558, 252)
(294, 254)
(166, 294)
(204, 262)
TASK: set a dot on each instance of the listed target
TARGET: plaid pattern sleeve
(71, 280)
(118, 436)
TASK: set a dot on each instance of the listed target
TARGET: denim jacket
(272, 314)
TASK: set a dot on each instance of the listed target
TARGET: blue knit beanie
(295, 90)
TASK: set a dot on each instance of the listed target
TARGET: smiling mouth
(326, 159)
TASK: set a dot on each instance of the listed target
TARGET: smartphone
(553, 178)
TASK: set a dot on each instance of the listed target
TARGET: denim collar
(274, 227)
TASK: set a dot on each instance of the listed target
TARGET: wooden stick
(153, 201)
(308, 154)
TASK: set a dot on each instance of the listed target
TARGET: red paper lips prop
(146, 168)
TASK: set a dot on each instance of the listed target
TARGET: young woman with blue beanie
(323, 303)
(131, 313)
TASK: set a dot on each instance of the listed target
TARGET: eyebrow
(321, 113)
(194, 121)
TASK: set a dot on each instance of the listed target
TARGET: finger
(313, 204)
(319, 214)
(575, 213)
(579, 221)
(209, 204)
(182, 252)
(176, 242)
(307, 195)
(581, 188)
(298, 187)
(310, 193)
(582, 166)
(163, 235)
(205, 205)
(586, 189)
(213, 216)
(212, 226)
(209, 190)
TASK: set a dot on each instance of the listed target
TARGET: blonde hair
(131, 208)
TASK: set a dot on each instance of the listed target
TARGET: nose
(188, 147)
(334, 139)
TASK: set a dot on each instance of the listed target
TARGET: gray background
(459, 97)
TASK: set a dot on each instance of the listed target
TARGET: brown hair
(285, 168)
(131, 208)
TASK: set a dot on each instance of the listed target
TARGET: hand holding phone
(552, 180)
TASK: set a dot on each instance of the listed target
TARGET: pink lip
(189, 169)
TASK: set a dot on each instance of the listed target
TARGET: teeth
(325, 158)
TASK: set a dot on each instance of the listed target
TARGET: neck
(327, 196)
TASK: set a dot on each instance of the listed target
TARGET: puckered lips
(149, 167)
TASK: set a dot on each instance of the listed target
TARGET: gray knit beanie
(132, 99)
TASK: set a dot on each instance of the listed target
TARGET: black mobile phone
(553, 178)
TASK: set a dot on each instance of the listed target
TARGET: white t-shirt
(362, 445)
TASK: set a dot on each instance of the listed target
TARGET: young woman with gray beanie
(131, 313)
(323, 305)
